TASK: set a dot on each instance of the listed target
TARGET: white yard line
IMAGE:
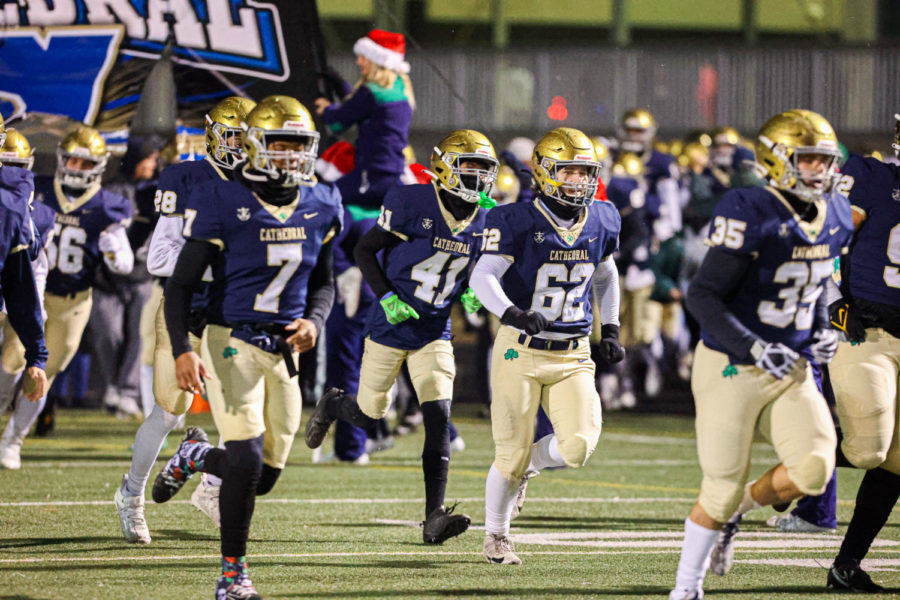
(593, 500)
(869, 564)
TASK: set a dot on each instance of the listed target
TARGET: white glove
(109, 243)
(825, 346)
(775, 359)
(349, 285)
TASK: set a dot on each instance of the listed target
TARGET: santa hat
(383, 48)
(336, 161)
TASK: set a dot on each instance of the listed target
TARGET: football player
(16, 151)
(758, 298)
(176, 184)
(272, 228)
(17, 281)
(427, 233)
(637, 129)
(90, 226)
(865, 376)
(541, 260)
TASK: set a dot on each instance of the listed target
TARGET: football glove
(825, 345)
(470, 301)
(485, 201)
(349, 286)
(396, 310)
(610, 348)
(531, 322)
(844, 318)
(775, 359)
(109, 243)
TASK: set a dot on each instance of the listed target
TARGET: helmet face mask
(788, 143)
(81, 158)
(281, 142)
(637, 130)
(224, 131)
(555, 156)
(16, 151)
(452, 165)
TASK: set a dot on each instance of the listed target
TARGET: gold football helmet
(784, 139)
(223, 130)
(694, 156)
(15, 150)
(628, 164)
(2, 130)
(565, 147)
(282, 120)
(637, 128)
(506, 189)
(601, 151)
(725, 142)
(460, 146)
(86, 150)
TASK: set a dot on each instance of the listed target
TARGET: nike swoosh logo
(592, 240)
(833, 230)
(477, 234)
(309, 215)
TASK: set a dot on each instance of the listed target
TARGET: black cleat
(781, 507)
(849, 577)
(319, 422)
(442, 525)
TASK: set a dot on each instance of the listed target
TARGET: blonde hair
(386, 78)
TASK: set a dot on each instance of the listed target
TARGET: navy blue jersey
(178, 180)
(552, 267)
(44, 219)
(791, 260)
(175, 185)
(873, 188)
(429, 270)
(17, 187)
(268, 251)
(74, 253)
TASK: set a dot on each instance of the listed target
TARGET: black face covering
(271, 190)
(459, 208)
(807, 210)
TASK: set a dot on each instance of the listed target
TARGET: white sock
(8, 383)
(499, 498)
(747, 502)
(212, 480)
(545, 454)
(147, 443)
(24, 417)
(695, 553)
(148, 400)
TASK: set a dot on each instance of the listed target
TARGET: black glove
(610, 348)
(843, 318)
(530, 322)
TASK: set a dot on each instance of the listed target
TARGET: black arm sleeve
(366, 256)
(193, 260)
(23, 307)
(320, 296)
(717, 279)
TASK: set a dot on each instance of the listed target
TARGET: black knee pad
(267, 480)
(246, 455)
(436, 418)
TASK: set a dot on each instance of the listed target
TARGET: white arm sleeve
(122, 261)
(485, 280)
(606, 291)
(41, 266)
(165, 245)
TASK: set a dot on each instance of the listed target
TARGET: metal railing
(858, 90)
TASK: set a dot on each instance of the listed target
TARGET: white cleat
(722, 557)
(520, 494)
(131, 516)
(10, 455)
(498, 549)
(457, 445)
(206, 499)
(686, 594)
(795, 524)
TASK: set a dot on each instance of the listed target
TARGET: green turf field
(612, 529)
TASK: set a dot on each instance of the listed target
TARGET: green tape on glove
(470, 301)
(396, 310)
